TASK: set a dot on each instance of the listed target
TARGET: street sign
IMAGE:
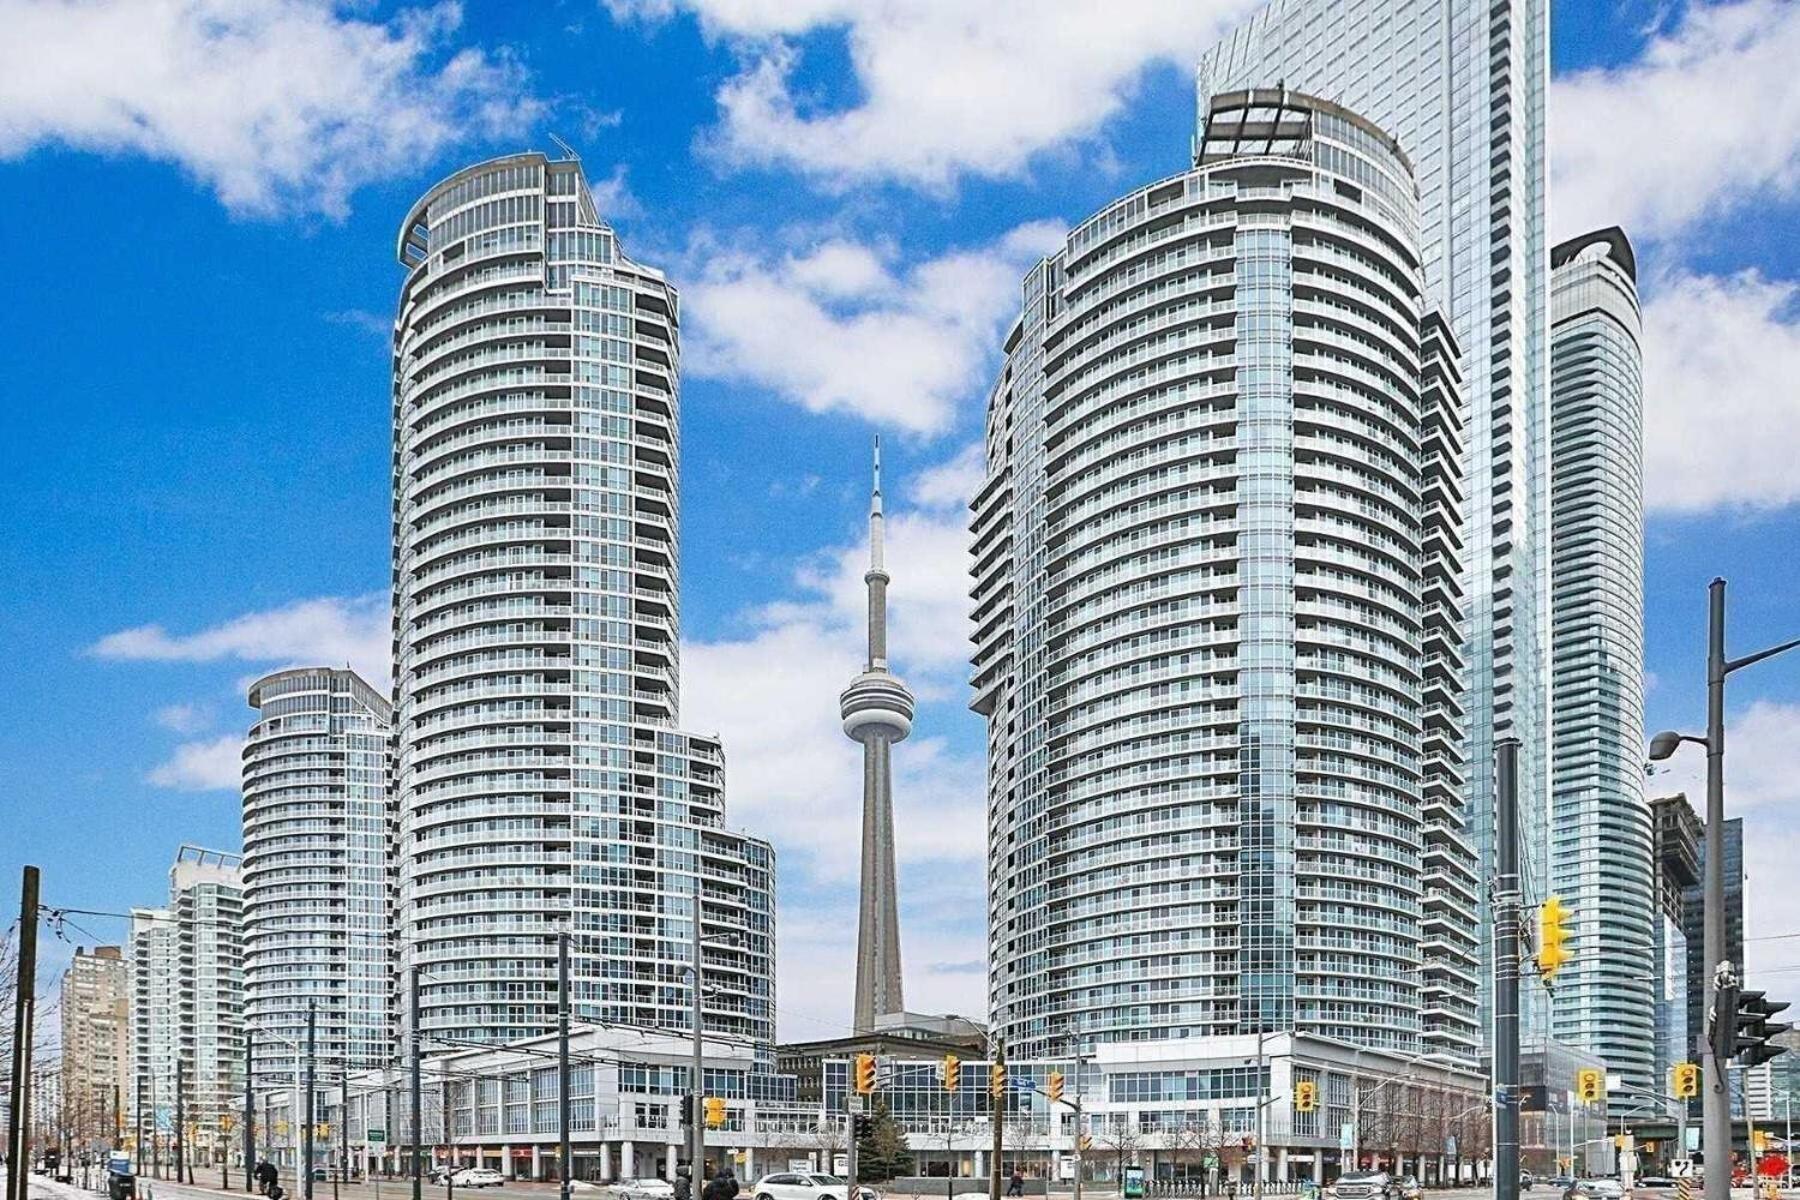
(377, 1135)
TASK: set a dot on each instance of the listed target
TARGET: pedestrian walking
(724, 1186)
(1016, 1186)
(684, 1183)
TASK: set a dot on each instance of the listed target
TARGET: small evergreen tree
(882, 1155)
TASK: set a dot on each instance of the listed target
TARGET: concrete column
(669, 1161)
(627, 1161)
(749, 1165)
(537, 1162)
(981, 1167)
(1281, 1164)
(606, 1163)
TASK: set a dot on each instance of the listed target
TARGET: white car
(474, 1177)
(648, 1188)
(794, 1186)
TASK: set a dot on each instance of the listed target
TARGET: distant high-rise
(1678, 840)
(188, 1001)
(1602, 851)
(543, 783)
(1218, 616)
(95, 1003)
(317, 842)
(1694, 926)
(1462, 85)
(877, 711)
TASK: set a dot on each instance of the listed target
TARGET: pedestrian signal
(715, 1112)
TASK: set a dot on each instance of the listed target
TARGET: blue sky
(201, 200)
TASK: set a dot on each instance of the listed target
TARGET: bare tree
(828, 1140)
(1122, 1136)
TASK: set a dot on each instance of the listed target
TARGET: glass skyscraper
(544, 785)
(1602, 839)
(1218, 614)
(317, 882)
(1462, 84)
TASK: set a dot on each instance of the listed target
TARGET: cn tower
(877, 711)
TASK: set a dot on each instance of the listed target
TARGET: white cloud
(276, 105)
(837, 329)
(773, 697)
(1705, 119)
(1762, 761)
(1720, 409)
(326, 631)
(951, 484)
(205, 766)
(944, 87)
(185, 718)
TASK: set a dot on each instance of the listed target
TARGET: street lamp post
(1715, 1103)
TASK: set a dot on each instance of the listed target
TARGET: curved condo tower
(544, 783)
(1218, 621)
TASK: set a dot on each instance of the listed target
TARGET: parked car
(795, 1186)
(474, 1177)
(647, 1188)
(1367, 1185)
(1594, 1189)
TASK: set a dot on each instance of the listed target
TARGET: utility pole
(449, 1146)
(418, 1099)
(18, 1130)
(1262, 1108)
(249, 1112)
(1506, 974)
(181, 1146)
(564, 1153)
(139, 1138)
(697, 1072)
(999, 1100)
(343, 1128)
(306, 1134)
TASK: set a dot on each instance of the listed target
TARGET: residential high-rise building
(95, 1006)
(544, 786)
(1218, 617)
(1678, 837)
(317, 840)
(1462, 85)
(1601, 834)
(877, 711)
(188, 1003)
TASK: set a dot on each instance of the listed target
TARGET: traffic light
(1684, 1080)
(865, 1074)
(1761, 1140)
(1752, 1030)
(1306, 1096)
(687, 1111)
(1084, 1142)
(1590, 1085)
(1553, 937)
(997, 1080)
(952, 1072)
(715, 1112)
(862, 1125)
(1053, 1086)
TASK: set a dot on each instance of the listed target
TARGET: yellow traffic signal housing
(715, 1112)
(865, 1074)
(1306, 1096)
(1054, 1086)
(1684, 1080)
(952, 1072)
(1084, 1142)
(1590, 1085)
(1762, 1141)
(997, 1080)
(1553, 937)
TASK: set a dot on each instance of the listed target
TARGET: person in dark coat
(723, 1186)
(266, 1175)
(684, 1183)
(1016, 1186)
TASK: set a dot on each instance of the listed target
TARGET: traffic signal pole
(1715, 1102)
(18, 1126)
(1506, 973)
(697, 1071)
(565, 1157)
